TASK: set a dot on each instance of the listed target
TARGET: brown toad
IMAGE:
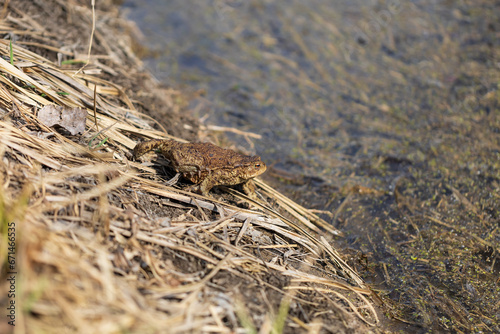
(207, 165)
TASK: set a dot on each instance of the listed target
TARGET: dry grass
(103, 245)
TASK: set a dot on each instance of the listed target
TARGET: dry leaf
(71, 119)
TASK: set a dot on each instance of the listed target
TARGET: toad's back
(204, 163)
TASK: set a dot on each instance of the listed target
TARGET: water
(266, 68)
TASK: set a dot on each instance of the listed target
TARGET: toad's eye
(257, 165)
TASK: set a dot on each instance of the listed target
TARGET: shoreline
(103, 242)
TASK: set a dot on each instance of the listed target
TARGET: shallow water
(393, 98)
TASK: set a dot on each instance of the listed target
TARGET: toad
(207, 165)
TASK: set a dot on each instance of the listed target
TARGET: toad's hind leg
(146, 146)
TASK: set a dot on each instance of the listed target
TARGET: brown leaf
(71, 119)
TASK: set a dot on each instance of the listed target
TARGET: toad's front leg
(207, 184)
(249, 189)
